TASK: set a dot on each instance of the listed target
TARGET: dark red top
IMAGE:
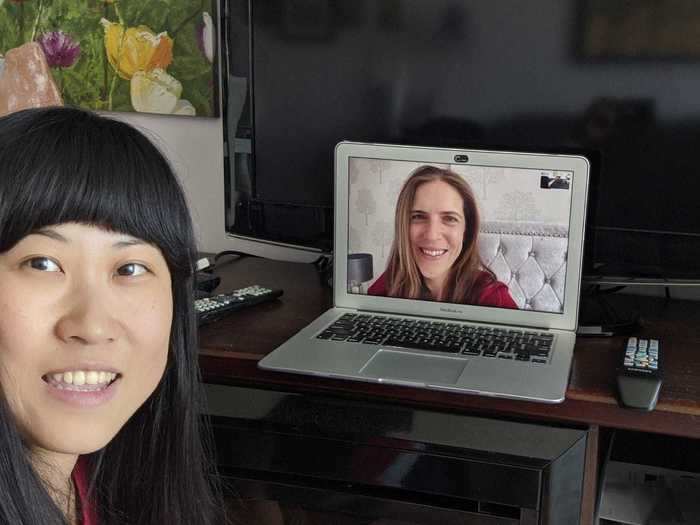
(80, 478)
(491, 293)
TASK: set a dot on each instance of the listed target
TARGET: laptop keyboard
(456, 338)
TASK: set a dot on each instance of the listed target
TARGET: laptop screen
(463, 234)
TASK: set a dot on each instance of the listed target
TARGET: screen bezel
(578, 165)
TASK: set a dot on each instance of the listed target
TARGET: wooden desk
(231, 348)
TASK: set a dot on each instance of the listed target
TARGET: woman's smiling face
(84, 333)
(436, 230)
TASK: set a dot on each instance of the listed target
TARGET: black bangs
(62, 165)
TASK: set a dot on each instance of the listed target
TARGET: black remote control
(639, 378)
(217, 306)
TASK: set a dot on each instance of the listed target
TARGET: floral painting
(150, 56)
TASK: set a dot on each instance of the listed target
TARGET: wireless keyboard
(217, 306)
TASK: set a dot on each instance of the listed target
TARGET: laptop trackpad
(414, 367)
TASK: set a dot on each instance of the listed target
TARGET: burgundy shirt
(492, 292)
(80, 478)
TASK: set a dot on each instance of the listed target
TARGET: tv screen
(615, 80)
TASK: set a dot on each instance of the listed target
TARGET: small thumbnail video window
(556, 181)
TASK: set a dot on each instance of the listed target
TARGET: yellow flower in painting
(156, 91)
(136, 49)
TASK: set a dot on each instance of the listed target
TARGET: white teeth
(433, 253)
(79, 378)
(83, 377)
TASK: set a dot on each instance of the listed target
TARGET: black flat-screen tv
(618, 81)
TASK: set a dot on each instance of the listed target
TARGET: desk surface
(230, 349)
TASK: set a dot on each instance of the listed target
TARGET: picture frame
(640, 30)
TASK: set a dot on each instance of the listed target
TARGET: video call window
(488, 236)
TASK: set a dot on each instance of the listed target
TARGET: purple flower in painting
(60, 49)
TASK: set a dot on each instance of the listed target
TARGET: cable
(324, 267)
(606, 315)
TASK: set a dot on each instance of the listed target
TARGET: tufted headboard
(530, 258)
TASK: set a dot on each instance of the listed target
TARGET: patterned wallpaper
(503, 194)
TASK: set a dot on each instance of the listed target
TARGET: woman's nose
(433, 229)
(87, 320)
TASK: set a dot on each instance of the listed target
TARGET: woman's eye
(43, 264)
(132, 270)
(416, 216)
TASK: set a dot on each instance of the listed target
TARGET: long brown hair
(465, 276)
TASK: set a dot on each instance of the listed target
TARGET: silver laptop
(425, 298)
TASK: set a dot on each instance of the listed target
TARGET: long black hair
(60, 165)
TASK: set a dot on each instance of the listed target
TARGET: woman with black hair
(99, 388)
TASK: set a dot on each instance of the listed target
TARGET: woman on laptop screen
(434, 255)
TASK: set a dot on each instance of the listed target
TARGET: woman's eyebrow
(448, 212)
(51, 234)
(123, 243)
(128, 242)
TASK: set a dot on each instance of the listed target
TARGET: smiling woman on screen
(99, 389)
(435, 255)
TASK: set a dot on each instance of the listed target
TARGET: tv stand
(371, 461)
